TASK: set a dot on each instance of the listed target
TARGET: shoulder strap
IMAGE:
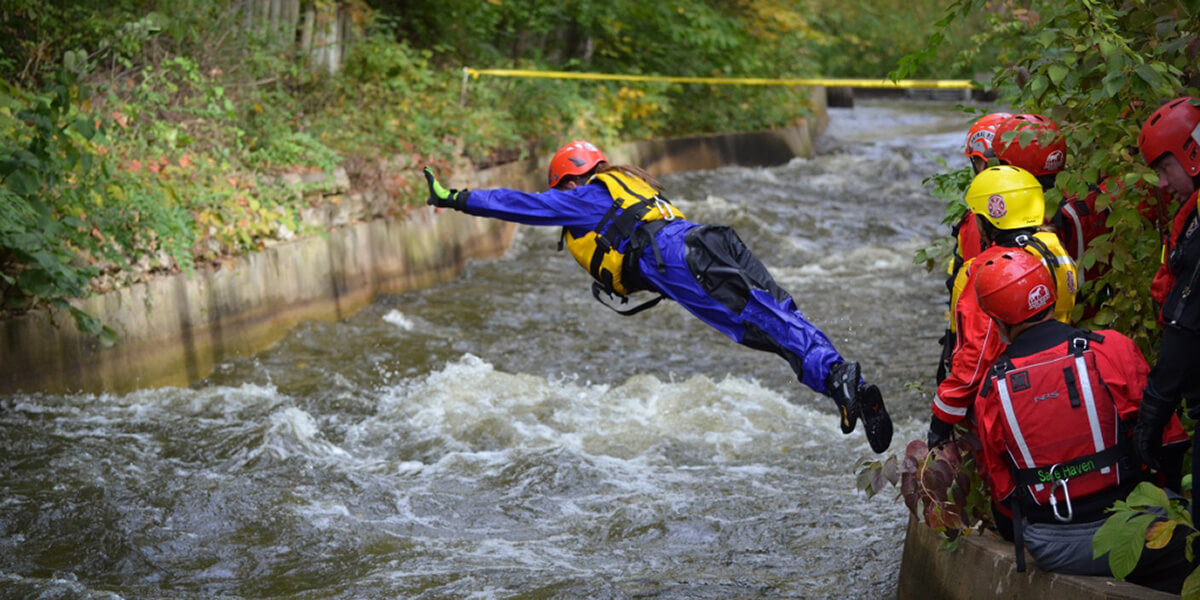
(1048, 256)
(637, 308)
(998, 370)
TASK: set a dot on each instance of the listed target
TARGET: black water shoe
(876, 422)
(842, 386)
(856, 399)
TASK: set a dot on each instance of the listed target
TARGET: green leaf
(1057, 73)
(1124, 555)
(1038, 85)
(1108, 536)
(1147, 495)
(1149, 75)
(85, 127)
(1114, 83)
(1191, 585)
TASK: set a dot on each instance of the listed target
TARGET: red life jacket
(1061, 424)
(1164, 279)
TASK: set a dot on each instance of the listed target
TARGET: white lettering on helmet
(1054, 162)
(1039, 297)
(981, 140)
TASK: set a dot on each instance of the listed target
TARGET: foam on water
(501, 435)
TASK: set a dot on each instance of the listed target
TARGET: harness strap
(647, 232)
(1072, 389)
(1049, 257)
(1018, 532)
(1066, 470)
(603, 243)
(1002, 366)
(597, 289)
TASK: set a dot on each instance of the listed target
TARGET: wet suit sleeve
(978, 348)
(579, 207)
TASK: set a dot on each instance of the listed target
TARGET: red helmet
(1014, 286)
(1045, 154)
(979, 137)
(1173, 128)
(575, 158)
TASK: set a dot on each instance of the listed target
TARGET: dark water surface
(504, 436)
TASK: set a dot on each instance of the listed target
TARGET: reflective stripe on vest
(1065, 384)
(1089, 400)
(1014, 427)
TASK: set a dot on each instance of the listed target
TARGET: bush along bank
(156, 143)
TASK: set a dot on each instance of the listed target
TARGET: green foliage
(1146, 519)
(1098, 70)
(879, 34)
(747, 38)
(47, 168)
(950, 187)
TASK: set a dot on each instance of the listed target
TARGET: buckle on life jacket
(665, 209)
(1060, 483)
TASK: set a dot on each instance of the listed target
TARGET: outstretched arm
(582, 206)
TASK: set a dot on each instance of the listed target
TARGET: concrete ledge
(173, 329)
(985, 566)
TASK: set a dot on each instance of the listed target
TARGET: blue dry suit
(706, 269)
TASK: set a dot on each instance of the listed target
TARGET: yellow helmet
(1008, 197)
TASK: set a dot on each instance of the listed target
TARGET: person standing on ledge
(1170, 143)
(620, 228)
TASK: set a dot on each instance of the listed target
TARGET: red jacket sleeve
(1124, 371)
(977, 348)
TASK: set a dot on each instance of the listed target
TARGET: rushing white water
(504, 436)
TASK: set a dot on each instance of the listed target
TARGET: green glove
(441, 197)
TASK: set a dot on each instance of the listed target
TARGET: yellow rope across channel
(952, 84)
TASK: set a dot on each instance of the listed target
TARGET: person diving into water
(630, 238)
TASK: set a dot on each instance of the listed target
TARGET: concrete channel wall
(173, 329)
(985, 566)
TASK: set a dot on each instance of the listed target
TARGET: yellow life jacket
(1066, 277)
(634, 201)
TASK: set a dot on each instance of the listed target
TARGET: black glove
(939, 432)
(442, 197)
(1153, 416)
